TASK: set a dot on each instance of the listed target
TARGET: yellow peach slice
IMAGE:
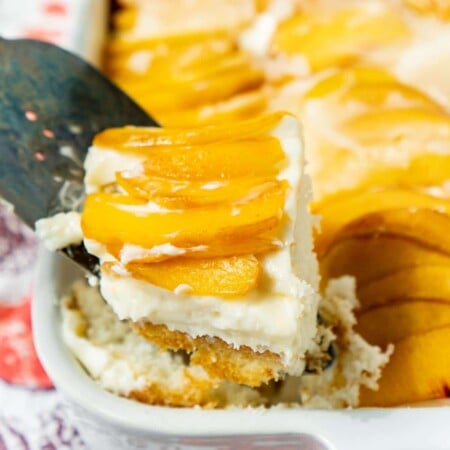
(239, 107)
(138, 139)
(258, 157)
(373, 87)
(439, 8)
(335, 82)
(358, 93)
(394, 321)
(165, 96)
(173, 41)
(193, 72)
(423, 170)
(200, 69)
(390, 94)
(334, 39)
(422, 129)
(422, 282)
(423, 226)
(161, 59)
(369, 258)
(224, 277)
(418, 370)
(114, 219)
(360, 170)
(340, 209)
(188, 194)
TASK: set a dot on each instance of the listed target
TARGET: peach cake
(205, 242)
(208, 272)
(374, 105)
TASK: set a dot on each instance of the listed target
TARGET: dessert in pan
(208, 249)
(219, 290)
(377, 138)
(393, 169)
(205, 244)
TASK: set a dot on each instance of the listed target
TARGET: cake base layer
(239, 365)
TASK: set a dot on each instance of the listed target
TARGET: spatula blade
(52, 103)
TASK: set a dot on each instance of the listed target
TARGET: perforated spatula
(52, 103)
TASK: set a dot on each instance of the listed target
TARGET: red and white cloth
(31, 417)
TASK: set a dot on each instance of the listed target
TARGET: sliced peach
(394, 321)
(418, 370)
(258, 157)
(440, 8)
(340, 209)
(114, 219)
(199, 69)
(188, 194)
(168, 59)
(142, 138)
(173, 41)
(366, 76)
(371, 86)
(358, 170)
(330, 39)
(184, 75)
(166, 96)
(423, 226)
(373, 257)
(422, 170)
(420, 128)
(240, 107)
(390, 94)
(422, 282)
(224, 277)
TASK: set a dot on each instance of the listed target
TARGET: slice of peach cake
(205, 244)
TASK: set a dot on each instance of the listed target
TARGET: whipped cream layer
(421, 64)
(60, 230)
(278, 315)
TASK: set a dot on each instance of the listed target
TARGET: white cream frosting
(422, 65)
(257, 37)
(131, 252)
(60, 230)
(102, 164)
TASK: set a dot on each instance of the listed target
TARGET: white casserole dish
(106, 421)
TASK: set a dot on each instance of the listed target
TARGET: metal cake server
(52, 103)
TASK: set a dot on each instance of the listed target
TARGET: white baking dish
(109, 422)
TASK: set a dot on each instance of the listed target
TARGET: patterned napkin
(30, 413)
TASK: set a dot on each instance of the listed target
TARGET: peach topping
(335, 39)
(194, 77)
(211, 195)
(222, 276)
